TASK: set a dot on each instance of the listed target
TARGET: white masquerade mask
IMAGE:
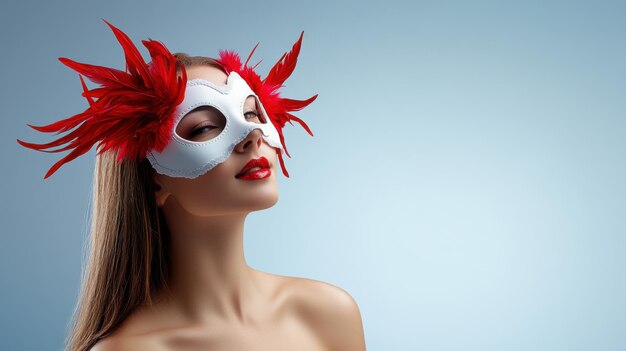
(135, 113)
(190, 159)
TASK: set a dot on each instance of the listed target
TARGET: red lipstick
(257, 168)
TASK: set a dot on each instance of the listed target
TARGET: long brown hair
(128, 261)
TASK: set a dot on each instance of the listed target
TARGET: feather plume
(131, 111)
(277, 107)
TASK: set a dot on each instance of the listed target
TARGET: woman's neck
(209, 276)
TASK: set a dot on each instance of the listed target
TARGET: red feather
(277, 108)
(133, 110)
(285, 65)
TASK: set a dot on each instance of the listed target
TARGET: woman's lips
(258, 168)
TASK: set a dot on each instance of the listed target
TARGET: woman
(166, 269)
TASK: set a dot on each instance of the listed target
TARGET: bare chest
(285, 335)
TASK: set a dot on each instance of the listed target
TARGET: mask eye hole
(253, 112)
(201, 124)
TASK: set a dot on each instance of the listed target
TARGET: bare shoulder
(133, 334)
(330, 310)
(126, 343)
(323, 297)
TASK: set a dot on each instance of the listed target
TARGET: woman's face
(218, 191)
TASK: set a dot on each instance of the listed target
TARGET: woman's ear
(160, 191)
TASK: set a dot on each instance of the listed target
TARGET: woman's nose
(253, 140)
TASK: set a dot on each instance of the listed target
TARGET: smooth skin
(218, 302)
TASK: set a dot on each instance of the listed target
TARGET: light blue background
(465, 183)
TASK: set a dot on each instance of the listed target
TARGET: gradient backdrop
(465, 183)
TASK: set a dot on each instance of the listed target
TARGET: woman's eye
(252, 113)
(201, 129)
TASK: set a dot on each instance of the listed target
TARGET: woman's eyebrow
(253, 105)
(213, 111)
(204, 113)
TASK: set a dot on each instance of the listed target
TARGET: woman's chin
(263, 202)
